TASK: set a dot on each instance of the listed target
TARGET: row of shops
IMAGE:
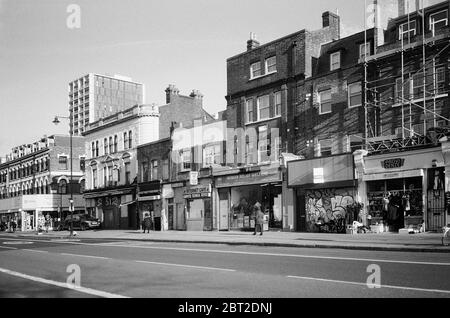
(390, 191)
(34, 212)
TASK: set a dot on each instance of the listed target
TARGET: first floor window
(127, 173)
(154, 169)
(249, 111)
(62, 161)
(211, 155)
(263, 107)
(364, 51)
(325, 147)
(186, 160)
(277, 104)
(354, 95)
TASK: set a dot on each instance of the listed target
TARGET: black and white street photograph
(224, 155)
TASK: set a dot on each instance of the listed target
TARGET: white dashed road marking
(62, 285)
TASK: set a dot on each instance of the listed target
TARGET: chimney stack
(332, 20)
(252, 43)
(196, 94)
(171, 91)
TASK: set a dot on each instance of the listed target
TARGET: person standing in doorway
(147, 223)
(259, 219)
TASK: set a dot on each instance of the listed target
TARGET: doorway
(300, 212)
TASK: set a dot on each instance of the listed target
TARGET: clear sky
(156, 42)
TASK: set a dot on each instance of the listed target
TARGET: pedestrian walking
(14, 225)
(259, 218)
(147, 223)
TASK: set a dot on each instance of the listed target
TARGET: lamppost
(56, 121)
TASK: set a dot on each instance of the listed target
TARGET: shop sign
(393, 163)
(248, 178)
(193, 178)
(177, 185)
(150, 198)
(198, 192)
(167, 192)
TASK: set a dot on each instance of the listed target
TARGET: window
(154, 169)
(127, 173)
(186, 160)
(105, 145)
(418, 130)
(165, 169)
(325, 147)
(406, 31)
(263, 145)
(354, 95)
(418, 85)
(271, 65)
(263, 104)
(62, 187)
(130, 139)
(438, 20)
(111, 145)
(335, 61)
(105, 177)
(354, 142)
(82, 186)
(94, 178)
(115, 143)
(125, 140)
(82, 164)
(145, 171)
(277, 148)
(110, 175)
(96, 149)
(249, 111)
(211, 155)
(325, 102)
(255, 70)
(398, 90)
(364, 51)
(440, 80)
(277, 104)
(62, 161)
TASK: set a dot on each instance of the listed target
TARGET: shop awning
(393, 175)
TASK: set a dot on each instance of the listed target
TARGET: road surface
(38, 267)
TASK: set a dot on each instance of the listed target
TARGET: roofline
(108, 76)
(269, 43)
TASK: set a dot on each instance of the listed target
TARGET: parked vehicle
(81, 222)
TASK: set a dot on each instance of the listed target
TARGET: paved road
(37, 267)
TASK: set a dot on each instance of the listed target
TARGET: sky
(155, 42)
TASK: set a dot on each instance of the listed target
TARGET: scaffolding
(421, 87)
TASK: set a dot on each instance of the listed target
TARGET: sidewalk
(424, 242)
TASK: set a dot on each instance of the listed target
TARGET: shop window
(394, 184)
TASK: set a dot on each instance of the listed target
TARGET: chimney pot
(252, 43)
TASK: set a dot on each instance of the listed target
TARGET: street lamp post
(56, 121)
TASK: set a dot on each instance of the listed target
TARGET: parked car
(81, 222)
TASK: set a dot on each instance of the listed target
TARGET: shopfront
(150, 203)
(199, 207)
(116, 209)
(404, 190)
(325, 189)
(238, 192)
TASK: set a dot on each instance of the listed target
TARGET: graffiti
(327, 205)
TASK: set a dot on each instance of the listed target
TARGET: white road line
(35, 251)
(188, 266)
(87, 256)
(365, 285)
(62, 285)
(9, 248)
(260, 254)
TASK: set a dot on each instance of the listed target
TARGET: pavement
(422, 242)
